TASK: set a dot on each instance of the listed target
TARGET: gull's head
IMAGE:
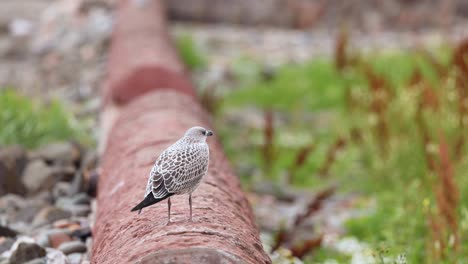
(198, 134)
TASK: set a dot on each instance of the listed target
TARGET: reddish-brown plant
(268, 135)
(339, 144)
(299, 161)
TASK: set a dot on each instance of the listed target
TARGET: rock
(38, 176)
(72, 247)
(92, 183)
(49, 215)
(77, 184)
(12, 162)
(27, 213)
(26, 252)
(67, 224)
(5, 244)
(43, 240)
(90, 161)
(61, 189)
(43, 237)
(82, 233)
(60, 153)
(7, 232)
(75, 258)
(63, 223)
(80, 210)
(57, 239)
(64, 203)
(14, 247)
(55, 256)
(37, 261)
(81, 198)
(21, 227)
(12, 201)
(77, 205)
(67, 202)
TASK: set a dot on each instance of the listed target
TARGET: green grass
(31, 124)
(313, 106)
(190, 53)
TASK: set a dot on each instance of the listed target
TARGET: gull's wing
(178, 170)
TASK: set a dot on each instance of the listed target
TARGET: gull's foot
(169, 223)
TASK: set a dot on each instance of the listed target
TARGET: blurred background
(346, 121)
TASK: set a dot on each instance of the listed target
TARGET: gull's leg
(190, 202)
(169, 210)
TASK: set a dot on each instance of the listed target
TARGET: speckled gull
(178, 170)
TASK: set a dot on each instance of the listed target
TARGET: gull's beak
(209, 133)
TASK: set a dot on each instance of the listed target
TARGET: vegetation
(392, 127)
(189, 53)
(28, 123)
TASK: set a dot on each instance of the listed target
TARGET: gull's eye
(203, 132)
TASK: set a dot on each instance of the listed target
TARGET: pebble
(75, 258)
(37, 261)
(82, 233)
(72, 247)
(81, 198)
(27, 213)
(61, 189)
(50, 214)
(80, 210)
(55, 256)
(5, 231)
(26, 252)
(43, 237)
(59, 153)
(58, 239)
(6, 243)
(38, 176)
(64, 223)
(12, 162)
(67, 203)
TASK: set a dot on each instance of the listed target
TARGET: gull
(178, 170)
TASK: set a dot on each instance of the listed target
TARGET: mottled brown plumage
(178, 170)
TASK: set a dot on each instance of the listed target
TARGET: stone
(57, 239)
(80, 210)
(67, 203)
(55, 256)
(26, 252)
(26, 214)
(38, 176)
(7, 232)
(43, 237)
(49, 215)
(63, 223)
(59, 153)
(61, 189)
(21, 227)
(81, 198)
(82, 233)
(64, 203)
(72, 247)
(90, 160)
(12, 162)
(43, 240)
(37, 261)
(6, 243)
(92, 182)
(77, 184)
(12, 201)
(75, 258)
